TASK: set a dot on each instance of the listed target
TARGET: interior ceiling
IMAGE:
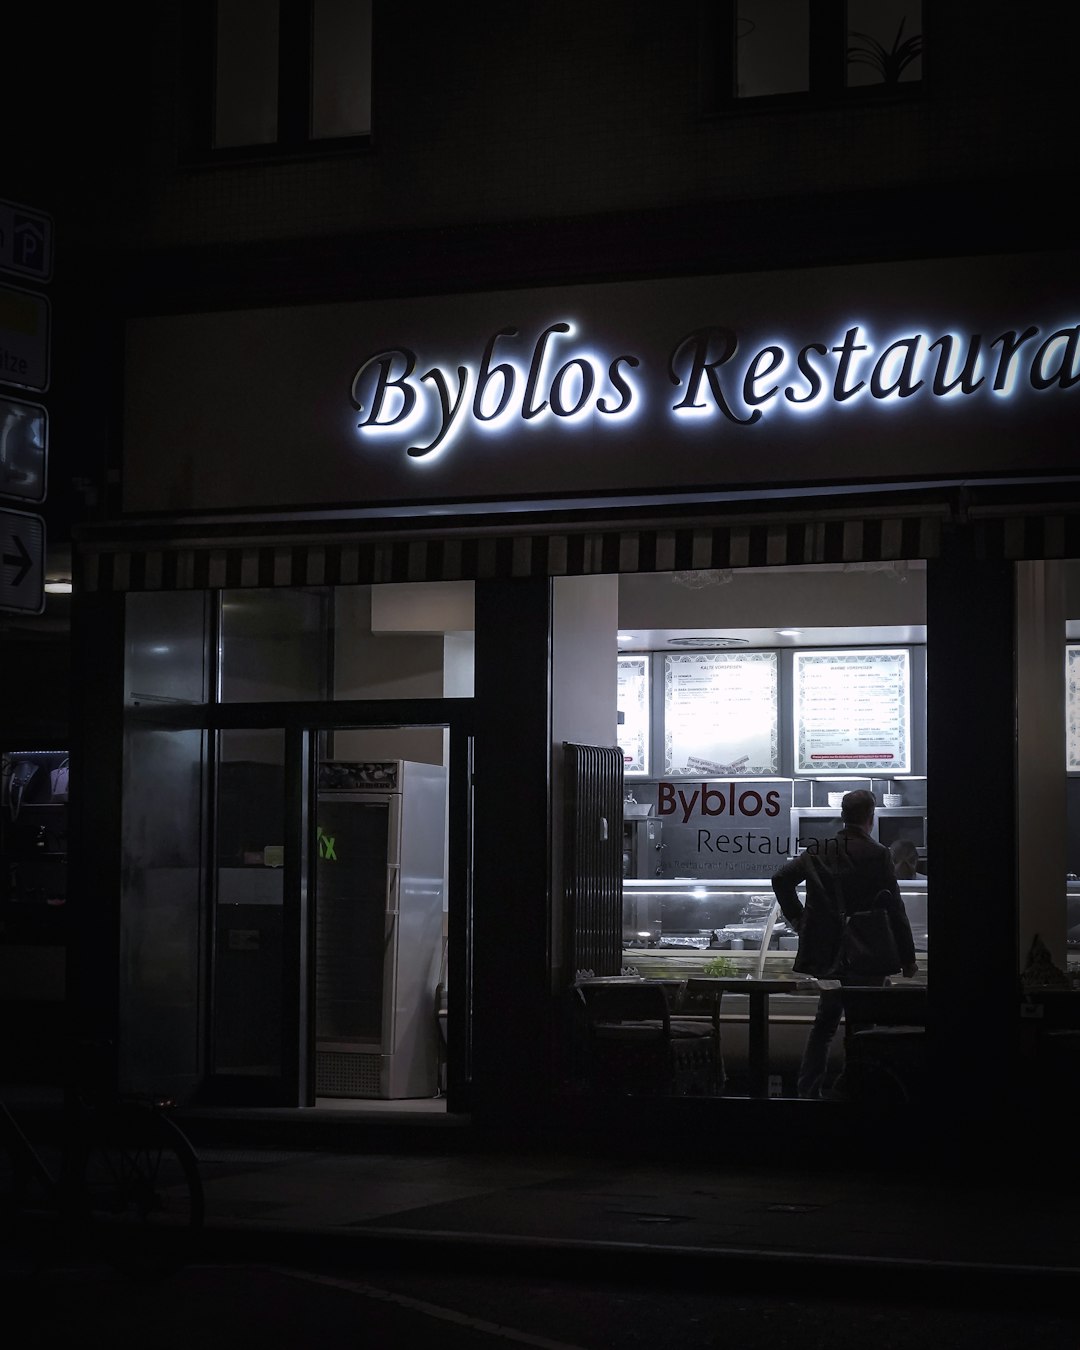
(704, 639)
(804, 606)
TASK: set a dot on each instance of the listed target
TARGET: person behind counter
(905, 858)
(852, 872)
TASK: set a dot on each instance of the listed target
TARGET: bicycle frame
(25, 1159)
(127, 1170)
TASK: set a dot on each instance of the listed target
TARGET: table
(759, 991)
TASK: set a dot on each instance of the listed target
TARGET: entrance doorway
(338, 855)
(380, 925)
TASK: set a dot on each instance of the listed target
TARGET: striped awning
(261, 558)
(1038, 531)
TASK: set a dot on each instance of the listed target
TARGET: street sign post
(26, 241)
(24, 339)
(26, 250)
(24, 450)
(22, 562)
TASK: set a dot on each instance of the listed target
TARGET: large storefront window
(273, 645)
(288, 645)
(346, 643)
(162, 896)
(165, 658)
(1070, 573)
(779, 690)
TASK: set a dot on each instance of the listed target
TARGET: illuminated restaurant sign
(941, 368)
(519, 377)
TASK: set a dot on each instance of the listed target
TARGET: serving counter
(733, 932)
(677, 927)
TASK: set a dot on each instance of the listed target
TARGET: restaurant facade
(520, 478)
(369, 535)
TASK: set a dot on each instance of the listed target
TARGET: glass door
(356, 903)
(258, 940)
(381, 913)
(335, 852)
(249, 904)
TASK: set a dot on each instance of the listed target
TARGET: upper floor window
(285, 75)
(810, 50)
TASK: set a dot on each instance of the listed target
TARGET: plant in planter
(720, 967)
(889, 64)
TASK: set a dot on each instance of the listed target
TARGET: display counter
(683, 928)
(676, 928)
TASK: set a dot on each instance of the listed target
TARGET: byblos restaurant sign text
(554, 374)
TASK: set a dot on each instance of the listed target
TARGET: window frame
(828, 66)
(294, 101)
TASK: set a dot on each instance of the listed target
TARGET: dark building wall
(570, 110)
(578, 126)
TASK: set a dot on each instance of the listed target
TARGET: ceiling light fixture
(58, 588)
(708, 642)
(695, 580)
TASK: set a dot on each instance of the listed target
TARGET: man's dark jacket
(849, 873)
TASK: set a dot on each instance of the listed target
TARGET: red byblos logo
(707, 800)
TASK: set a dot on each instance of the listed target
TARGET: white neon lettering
(548, 374)
(964, 381)
(1059, 348)
(448, 410)
(1010, 344)
(384, 363)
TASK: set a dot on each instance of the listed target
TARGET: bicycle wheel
(139, 1181)
(18, 1167)
(12, 1190)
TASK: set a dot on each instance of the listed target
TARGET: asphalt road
(66, 1302)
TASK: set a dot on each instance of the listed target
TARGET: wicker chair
(885, 1043)
(637, 1048)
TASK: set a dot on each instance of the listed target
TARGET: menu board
(633, 704)
(720, 713)
(1072, 707)
(852, 712)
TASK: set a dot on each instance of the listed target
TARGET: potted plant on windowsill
(890, 63)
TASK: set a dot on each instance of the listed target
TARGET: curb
(760, 1269)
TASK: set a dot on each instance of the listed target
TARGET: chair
(703, 993)
(1050, 1040)
(885, 1043)
(636, 1047)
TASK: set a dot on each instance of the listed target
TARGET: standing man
(851, 873)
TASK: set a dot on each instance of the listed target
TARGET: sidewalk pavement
(392, 1187)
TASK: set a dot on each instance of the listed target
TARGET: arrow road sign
(22, 562)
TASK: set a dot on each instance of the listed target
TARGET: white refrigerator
(379, 927)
